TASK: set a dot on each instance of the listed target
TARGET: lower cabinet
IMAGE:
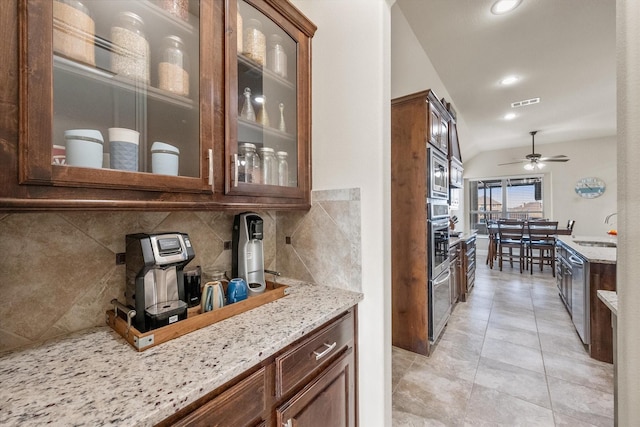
(311, 382)
(468, 270)
(327, 401)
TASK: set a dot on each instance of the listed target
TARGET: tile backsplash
(59, 272)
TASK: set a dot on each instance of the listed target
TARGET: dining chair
(542, 237)
(570, 224)
(492, 248)
(511, 236)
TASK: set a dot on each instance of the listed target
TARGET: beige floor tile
(568, 345)
(513, 335)
(594, 374)
(489, 407)
(532, 363)
(563, 420)
(513, 354)
(514, 381)
(432, 395)
(580, 402)
(449, 360)
(527, 322)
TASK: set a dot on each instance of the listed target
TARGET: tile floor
(509, 356)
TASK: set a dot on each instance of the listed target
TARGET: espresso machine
(247, 252)
(155, 278)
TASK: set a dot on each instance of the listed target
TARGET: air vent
(525, 102)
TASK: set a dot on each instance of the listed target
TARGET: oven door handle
(438, 223)
(445, 279)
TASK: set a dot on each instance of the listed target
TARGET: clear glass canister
(249, 164)
(179, 8)
(269, 166)
(130, 56)
(239, 32)
(276, 56)
(283, 168)
(173, 69)
(74, 31)
(254, 41)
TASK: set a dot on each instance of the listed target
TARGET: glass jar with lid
(269, 166)
(130, 56)
(74, 31)
(283, 168)
(276, 56)
(179, 8)
(249, 169)
(254, 41)
(173, 68)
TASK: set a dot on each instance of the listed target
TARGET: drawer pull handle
(327, 350)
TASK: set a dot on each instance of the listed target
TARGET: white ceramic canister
(164, 158)
(123, 149)
(84, 148)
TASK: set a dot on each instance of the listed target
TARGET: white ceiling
(563, 51)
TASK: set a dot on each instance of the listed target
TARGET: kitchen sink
(595, 243)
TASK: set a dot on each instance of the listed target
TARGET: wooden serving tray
(195, 320)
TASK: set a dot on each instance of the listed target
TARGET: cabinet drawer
(299, 363)
(223, 410)
(329, 400)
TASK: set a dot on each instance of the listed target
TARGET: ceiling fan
(534, 160)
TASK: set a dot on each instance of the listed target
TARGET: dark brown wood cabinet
(311, 382)
(468, 268)
(415, 123)
(46, 92)
(315, 405)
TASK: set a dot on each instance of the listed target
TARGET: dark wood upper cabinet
(85, 70)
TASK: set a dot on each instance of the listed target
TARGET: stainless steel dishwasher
(580, 312)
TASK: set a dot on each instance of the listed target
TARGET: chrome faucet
(606, 220)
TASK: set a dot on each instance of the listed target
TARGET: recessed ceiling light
(509, 80)
(510, 116)
(503, 6)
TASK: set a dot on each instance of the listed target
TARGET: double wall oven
(438, 247)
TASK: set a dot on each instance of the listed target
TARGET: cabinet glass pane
(267, 106)
(126, 85)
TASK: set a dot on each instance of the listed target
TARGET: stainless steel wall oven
(439, 273)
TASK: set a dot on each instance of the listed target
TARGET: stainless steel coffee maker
(247, 251)
(155, 278)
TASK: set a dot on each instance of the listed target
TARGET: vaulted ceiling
(563, 52)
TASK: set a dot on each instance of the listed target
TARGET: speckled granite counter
(592, 253)
(96, 378)
(610, 299)
(464, 235)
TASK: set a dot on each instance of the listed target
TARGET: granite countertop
(95, 377)
(592, 253)
(464, 235)
(610, 299)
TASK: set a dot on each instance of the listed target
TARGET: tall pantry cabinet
(416, 120)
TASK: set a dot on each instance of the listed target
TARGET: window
(515, 198)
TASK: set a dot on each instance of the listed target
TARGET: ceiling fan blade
(513, 163)
(559, 156)
(554, 160)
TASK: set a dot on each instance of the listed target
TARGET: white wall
(628, 267)
(412, 71)
(351, 148)
(594, 157)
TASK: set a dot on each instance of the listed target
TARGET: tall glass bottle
(283, 168)
(247, 111)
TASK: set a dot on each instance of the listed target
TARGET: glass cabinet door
(267, 146)
(125, 95)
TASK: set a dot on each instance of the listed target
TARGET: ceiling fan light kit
(534, 160)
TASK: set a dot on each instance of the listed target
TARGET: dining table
(492, 233)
